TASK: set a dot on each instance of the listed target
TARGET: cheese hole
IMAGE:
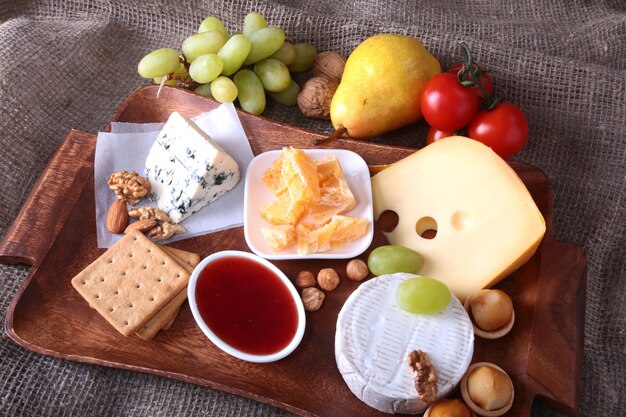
(460, 220)
(388, 220)
(426, 227)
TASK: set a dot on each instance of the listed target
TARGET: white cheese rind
(187, 169)
(374, 336)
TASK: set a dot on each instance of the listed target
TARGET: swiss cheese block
(187, 169)
(487, 223)
(374, 336)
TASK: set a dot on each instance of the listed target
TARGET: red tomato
(446, 104)
(434, 135)
(504, 129)
(483, 77)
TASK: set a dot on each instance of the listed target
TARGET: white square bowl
(257, 195)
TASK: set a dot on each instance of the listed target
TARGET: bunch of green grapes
(243, 66)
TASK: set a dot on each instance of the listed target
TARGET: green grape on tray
(213, 23)
(208, 42)
(273, 74)
(206, 68)
(305, 56)
(423, 295)
(204, 89)
(171, 83)
(223, 89)
(251, 92)
(253, 22)
(233, 53)
(390, 259)
(285, 54)
(158, 63)
(287, 97)
(264, 42)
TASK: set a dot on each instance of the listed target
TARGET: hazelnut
(315, 96)
(491, 309)
(449, 408)
(305, 279)
(328, 279)
(357, 270)
(329, 64)
(489, 388)
(312, 298)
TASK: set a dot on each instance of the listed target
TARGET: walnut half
(129, 186)
(166, 231)
(424, 374)
(148, 213)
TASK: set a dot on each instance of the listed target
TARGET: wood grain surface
(55, 232)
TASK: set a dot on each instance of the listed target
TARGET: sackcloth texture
(69, 64)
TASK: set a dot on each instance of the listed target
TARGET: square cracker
(131, 282)
(164, 318)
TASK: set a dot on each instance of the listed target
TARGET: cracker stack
(137, 285)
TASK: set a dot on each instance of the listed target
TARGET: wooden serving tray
(55, 233)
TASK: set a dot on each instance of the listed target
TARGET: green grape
(392, 258)
(224, 90)
(171, 83)
(264, 42)
(204, 89)
(233, 53)
(305, 55)
(208, 42)
(273, 74)
(289, 96)
(159, 63)
(213, 23)
(422, 295)
(251, 93)
(253, 22)
(206, 68)
(286, 54)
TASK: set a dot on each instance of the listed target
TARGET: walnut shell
(315, 96)
(329, 64)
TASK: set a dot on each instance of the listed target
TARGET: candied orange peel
(312, 196)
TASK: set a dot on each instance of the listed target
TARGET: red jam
(246, 305)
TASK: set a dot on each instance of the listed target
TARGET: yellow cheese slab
(486, 221)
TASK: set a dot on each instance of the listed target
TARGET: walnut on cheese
(424, 374)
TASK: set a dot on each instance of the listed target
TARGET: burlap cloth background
(69, 64)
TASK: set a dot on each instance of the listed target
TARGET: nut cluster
(316, 94)
(131, 187)
(327, 279)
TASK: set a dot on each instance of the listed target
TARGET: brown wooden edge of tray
(74, 160)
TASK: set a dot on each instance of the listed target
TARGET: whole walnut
(315, 96)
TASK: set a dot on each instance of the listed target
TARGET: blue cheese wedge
(187, 169)
(374, 336)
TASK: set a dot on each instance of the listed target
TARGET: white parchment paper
(126, 149)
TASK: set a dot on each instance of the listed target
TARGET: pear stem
(333, 136)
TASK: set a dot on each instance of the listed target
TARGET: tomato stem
(471, 75)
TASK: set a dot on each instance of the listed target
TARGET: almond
(117, 219)
(142, 225)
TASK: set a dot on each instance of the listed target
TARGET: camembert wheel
(374, 336)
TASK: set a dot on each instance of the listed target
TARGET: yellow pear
(381, 85)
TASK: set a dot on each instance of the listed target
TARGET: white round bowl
(191, 294)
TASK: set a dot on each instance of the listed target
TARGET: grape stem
(163, 81)
(333, 136)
